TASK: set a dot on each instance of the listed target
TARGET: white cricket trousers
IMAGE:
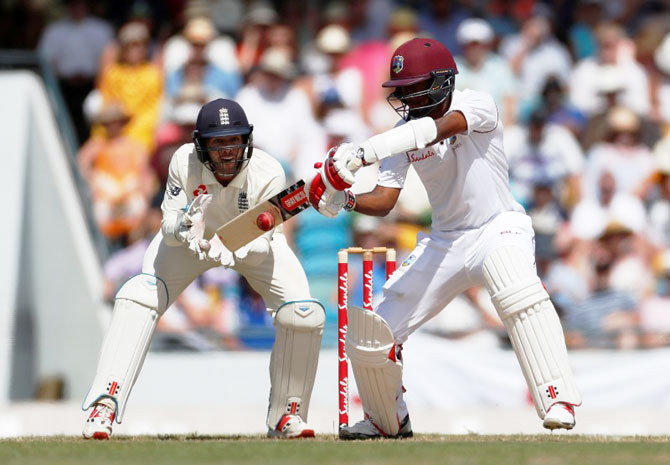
(440, 268)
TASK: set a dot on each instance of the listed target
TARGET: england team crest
(396, 63)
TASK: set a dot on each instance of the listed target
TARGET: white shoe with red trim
(290, 427)
(99, 422)
(560, 415)
(366, 429)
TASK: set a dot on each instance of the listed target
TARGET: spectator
(534, 55)
(367, 20)
(567, 276)
(606, 318)
(659, 210)
(554, 101)
(622, 154)
(624, 235)
(614, 56)
(260, 18)
(116, 168)
(441, 19)
(135, 83)
(72, 47)
(547, 216)
(581, 35)
(547, 149)
(661, 86)
(269, 99)
(200, 39)
(327, 81)
(371, 58)
(655, 309)
(480, 68)
(199, 69)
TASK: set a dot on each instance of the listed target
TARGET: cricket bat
(263, 217)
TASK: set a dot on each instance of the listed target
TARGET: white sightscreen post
(13, 121)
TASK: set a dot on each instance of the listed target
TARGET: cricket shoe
(99, 423)
(290, 427)
(366, 429)
(560, 415)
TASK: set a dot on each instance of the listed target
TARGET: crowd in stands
(582, 87)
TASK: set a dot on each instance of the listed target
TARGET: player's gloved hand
(321, 193)
(333, 201)
(255, 252)
(192, 228)
(330, 176)
(217, 252)
(353, 159)
(334, 168)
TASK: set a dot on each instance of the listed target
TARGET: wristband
(349, 201)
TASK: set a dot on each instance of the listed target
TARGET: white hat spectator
(474, 30)
(588, 220)
(341, 122)
(623, 119)
(626, 213)
(610, 79)
(111, 113)
(662, 155)
(199, 30)
(261, 13)
(333, 39)
(661, 263)
(662, 55)
(277, 61)
(186, 113)
(133, 31)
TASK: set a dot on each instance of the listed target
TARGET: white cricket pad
(295, 356)
(371, 349)
(533, 327)
(137, 307)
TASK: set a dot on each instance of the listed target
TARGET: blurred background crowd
(582, 87)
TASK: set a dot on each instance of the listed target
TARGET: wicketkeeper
(211, 181)
(480, 236)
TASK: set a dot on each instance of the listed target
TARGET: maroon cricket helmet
(416, 60)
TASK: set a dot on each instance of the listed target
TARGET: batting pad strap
(378, 377)
(147, 290)
(519, 296)
(294, 359)
(415, 134)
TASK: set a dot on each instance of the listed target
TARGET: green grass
(424, 449)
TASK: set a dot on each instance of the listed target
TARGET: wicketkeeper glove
(255, 252)
(191, 225)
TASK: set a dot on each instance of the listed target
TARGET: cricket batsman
(480, 236)
(211, 181)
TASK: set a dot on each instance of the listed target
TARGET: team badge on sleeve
(397, 63)
(173, 190)
(408, 261)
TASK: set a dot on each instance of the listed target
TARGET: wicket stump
(342, 303)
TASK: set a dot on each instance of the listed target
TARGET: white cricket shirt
(188, 177)
(465, 176)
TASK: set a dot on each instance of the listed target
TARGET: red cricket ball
(265, 221)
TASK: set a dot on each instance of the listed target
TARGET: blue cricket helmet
(219, 118)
